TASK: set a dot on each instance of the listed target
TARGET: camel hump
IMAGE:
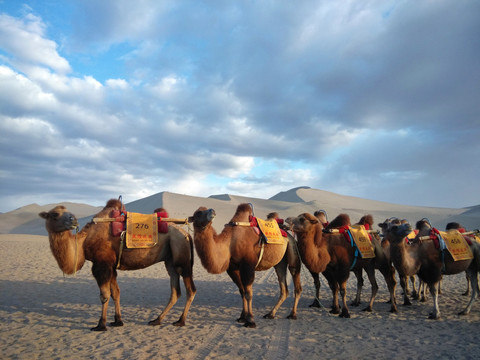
(114, 203)
(340, 221)
(366, 219)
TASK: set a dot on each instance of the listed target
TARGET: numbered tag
(142, 230)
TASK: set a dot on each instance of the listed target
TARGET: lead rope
(76, 252)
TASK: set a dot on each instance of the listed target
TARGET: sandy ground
(45, 315)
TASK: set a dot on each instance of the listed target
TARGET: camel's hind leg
(370, 269)
(115, 292)
(175, 292)
(435, 314)
(359, 275)
(472, 273)
(191, 291)
(281, 271)
(297, 283)
(388, 273)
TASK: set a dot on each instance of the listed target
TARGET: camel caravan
(119, 240)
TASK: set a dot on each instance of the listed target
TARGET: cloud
(366, 98)
(24, 39)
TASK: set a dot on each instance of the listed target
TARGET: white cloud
(25, 39)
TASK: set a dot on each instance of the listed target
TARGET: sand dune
(46, 315)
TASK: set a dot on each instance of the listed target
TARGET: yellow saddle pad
(457, 245)
(142, 230)
(271, 231)
(362, 240)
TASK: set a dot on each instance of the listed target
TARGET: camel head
(423, 225)
(272, 215)
(202, 217)
(453, 225)
(304, 222)
(396, 232)
(385, 226)
(321, 215)
(59, 219)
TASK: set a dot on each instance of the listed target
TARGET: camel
(380, 262)
(237, 251)
(457, 226)
(423, 258)
(386, 249)
(96, 244)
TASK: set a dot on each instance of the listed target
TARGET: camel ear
(43, 214)
(190, 219)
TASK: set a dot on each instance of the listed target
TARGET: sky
(375, 99)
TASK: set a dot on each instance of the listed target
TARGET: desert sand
(46, 315)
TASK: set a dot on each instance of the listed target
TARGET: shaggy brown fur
(95, 243)
(325, 253)
(237, 250)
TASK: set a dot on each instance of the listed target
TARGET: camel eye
(54, 215)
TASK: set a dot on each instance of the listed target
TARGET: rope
(262, 247)
(76, 252)
(122, 239)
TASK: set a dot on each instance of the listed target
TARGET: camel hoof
(335, 311)
(99, 328)
(116, 323)
(355, 303)
(407, 303)
(393, 310)
(241, 320)
(466, 293)
(269, 316)
(292, 316)
(433, 316)
(345, 314)
(463, 312)
(315, 303)
(179, 323)
(155, 322)
(368, 309)
(250, 325)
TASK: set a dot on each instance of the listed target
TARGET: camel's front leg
(103, 273)
(175, 292)
(333, 284)
(316, 283)
(472, 273)
(235, 276)
(281, 271)
(404, 284)
(247, 275)
(435, 314)
(414, 293)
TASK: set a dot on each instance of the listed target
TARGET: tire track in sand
(214, 338)
(278, 347)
